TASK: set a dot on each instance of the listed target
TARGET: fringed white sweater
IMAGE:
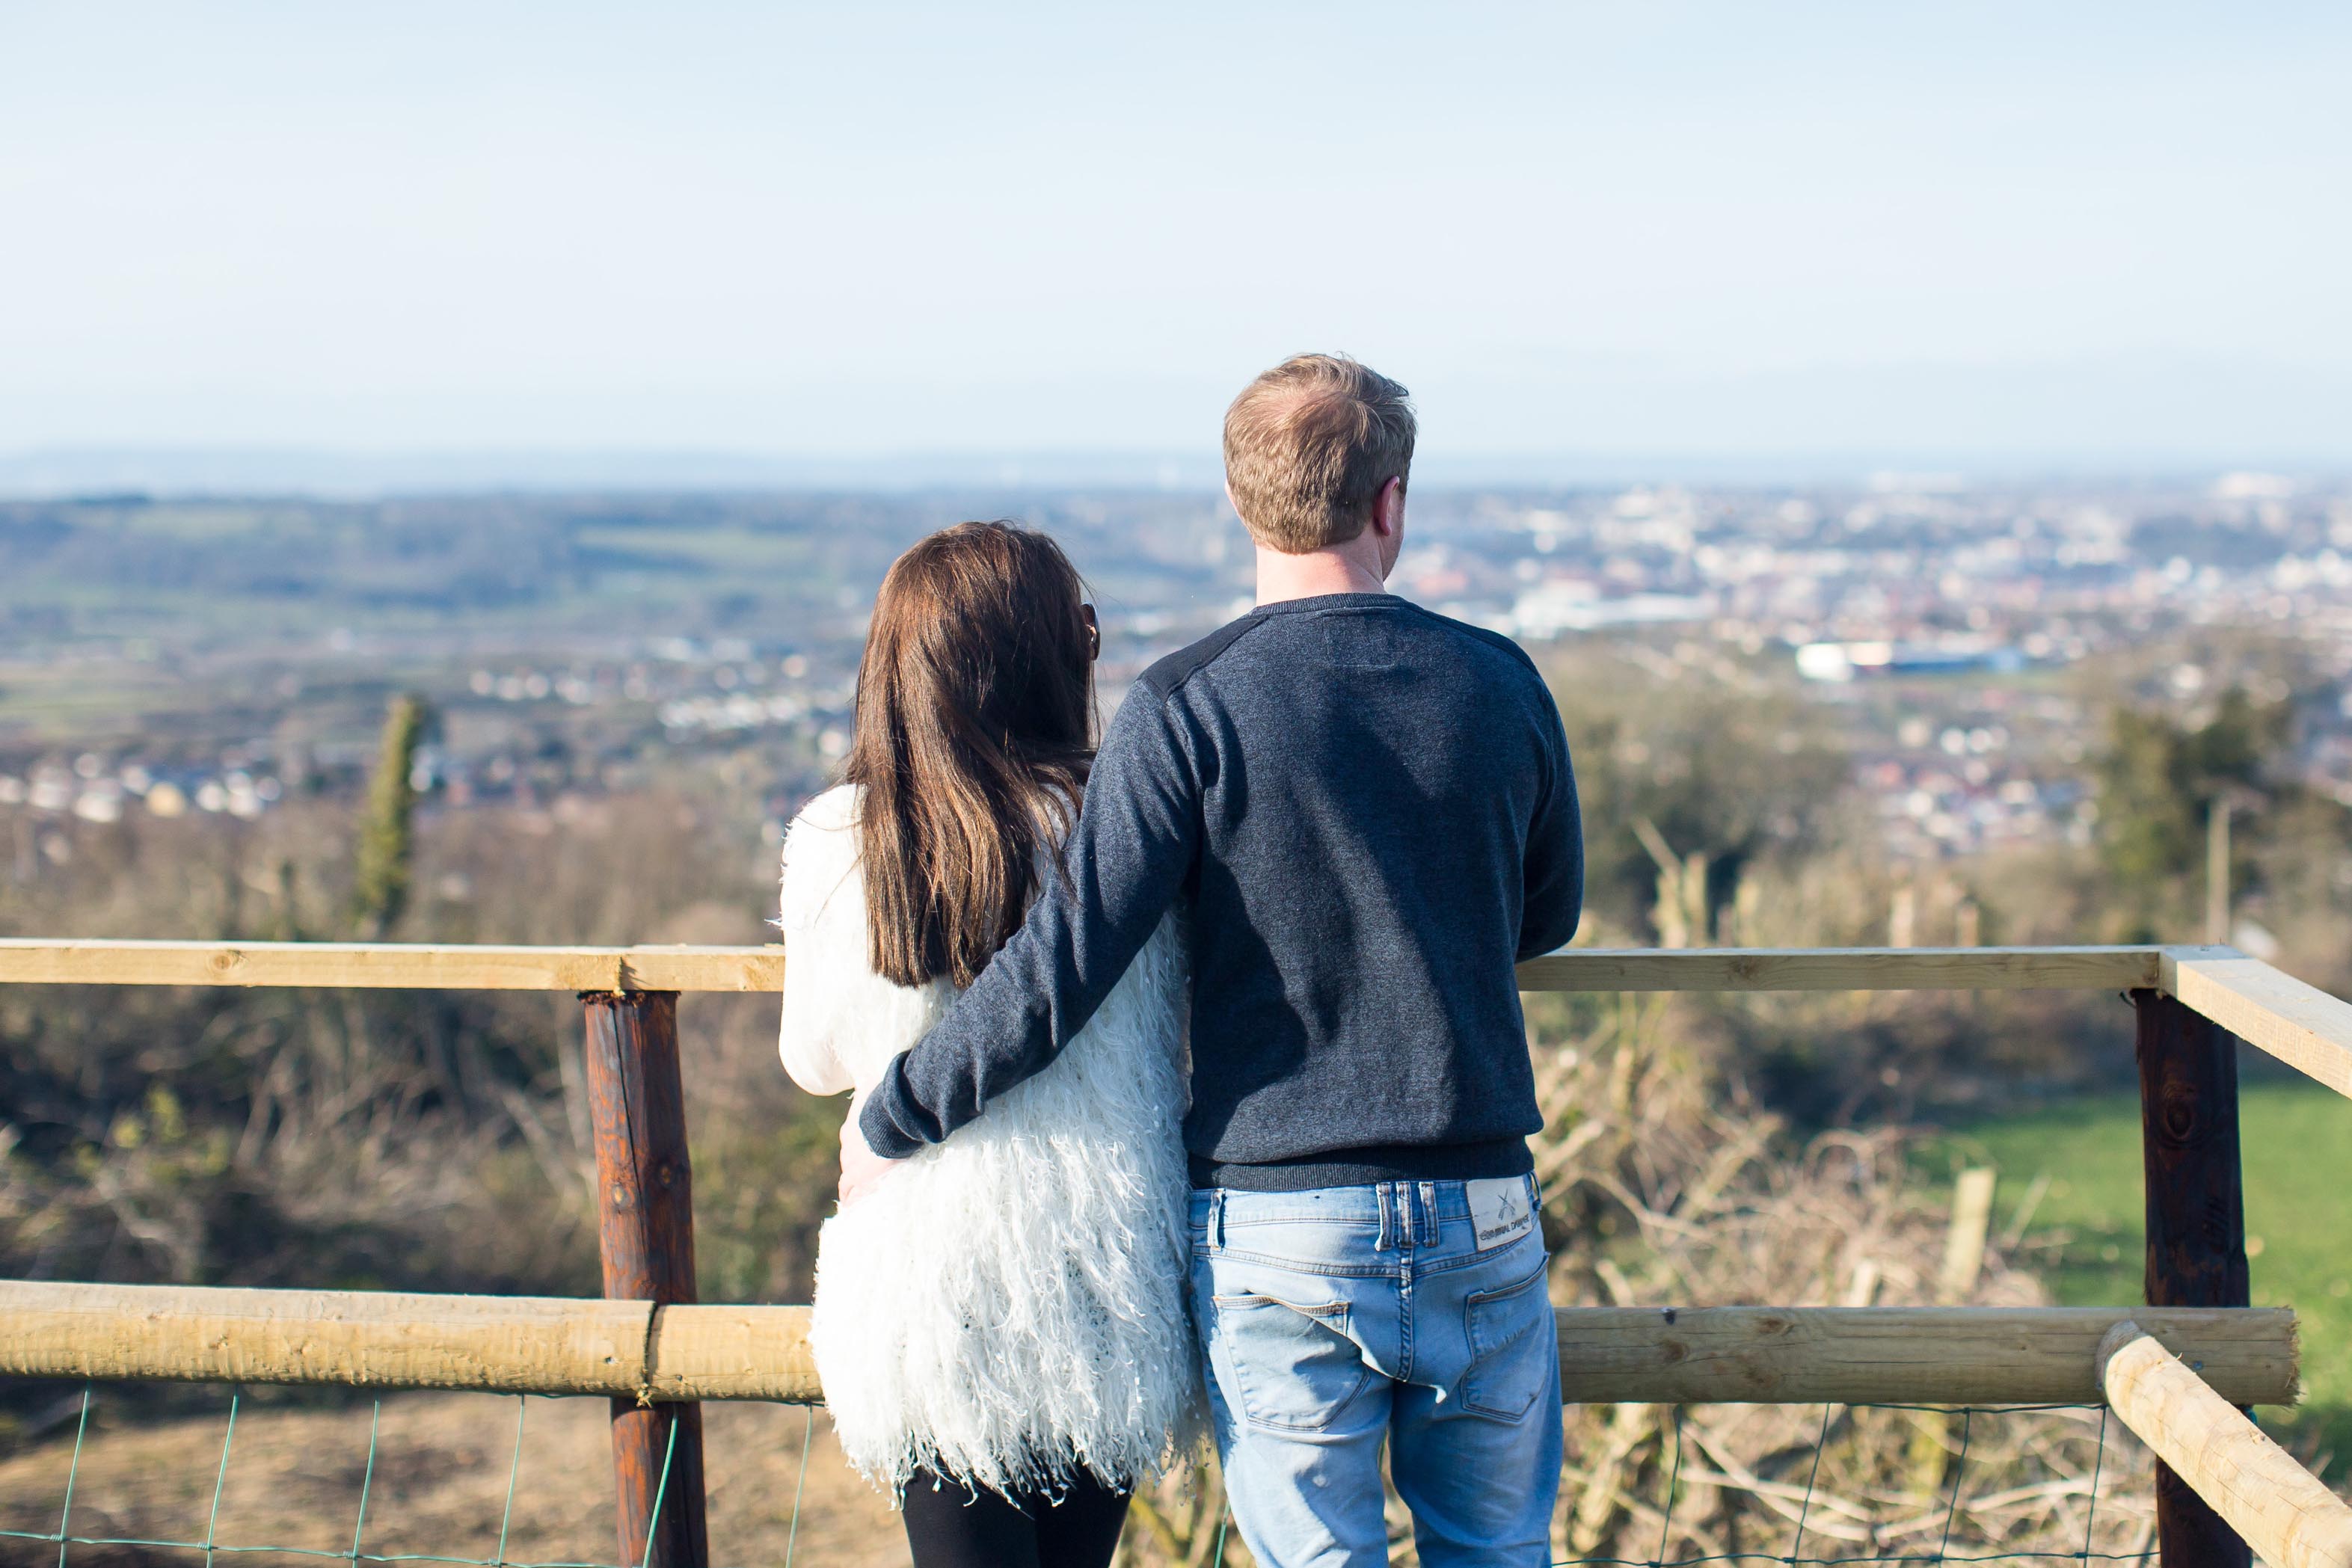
(1009, 1308)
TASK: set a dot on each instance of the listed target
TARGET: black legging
(950, 1525)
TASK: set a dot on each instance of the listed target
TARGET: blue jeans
(1334, 1319)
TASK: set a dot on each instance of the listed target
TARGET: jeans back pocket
(1288, 1364)
(1509, 1358)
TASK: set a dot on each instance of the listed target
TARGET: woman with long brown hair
(1000, 1326)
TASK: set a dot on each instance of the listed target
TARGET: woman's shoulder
(820, 859)
(833, 811)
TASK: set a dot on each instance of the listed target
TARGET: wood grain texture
(645, 1179)
(1703, 1354)
(2196, 1206)
(644, 1238)
(1941, 1356)
(2293, 1022)
(734, 1352)
(2301, 1025)
(2196, 1221)
(390, 966)
(502, 1344)
(2257, 1490)
(1841, 969)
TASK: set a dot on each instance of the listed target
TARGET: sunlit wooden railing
(2175, 1370)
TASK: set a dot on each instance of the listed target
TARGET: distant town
(1959, 640)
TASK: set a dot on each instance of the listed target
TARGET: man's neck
(1315, 573)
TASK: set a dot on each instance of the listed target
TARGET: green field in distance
(2086, 1234)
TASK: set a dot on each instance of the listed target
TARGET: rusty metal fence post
(645, 1211)
(2196, 1222)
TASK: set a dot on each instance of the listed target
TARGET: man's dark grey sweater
(1369, 811)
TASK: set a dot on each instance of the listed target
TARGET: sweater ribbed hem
(1362, 1167)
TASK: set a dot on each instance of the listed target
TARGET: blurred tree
(2157, 783)
(1684, 784)
(387, 837)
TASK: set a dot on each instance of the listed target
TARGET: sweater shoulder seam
(1168, 676)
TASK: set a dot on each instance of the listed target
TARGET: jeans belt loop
(1217, 1218)
(1426, 1235)
(1385, 1239)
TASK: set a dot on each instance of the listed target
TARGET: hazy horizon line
(63, 472)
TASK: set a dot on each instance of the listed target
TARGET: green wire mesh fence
(1674, 1498)
(211, 1546)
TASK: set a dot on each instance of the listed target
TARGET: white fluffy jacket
(1009, 1308)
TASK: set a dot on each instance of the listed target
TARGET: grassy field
(2085, 1233)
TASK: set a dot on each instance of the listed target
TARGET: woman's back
(1008, 1307)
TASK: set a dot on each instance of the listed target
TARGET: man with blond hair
(1369, 809)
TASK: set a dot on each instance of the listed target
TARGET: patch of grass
(2086, 1235)
(692, 549)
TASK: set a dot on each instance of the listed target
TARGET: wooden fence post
(2196, 1221)
(645, 1212)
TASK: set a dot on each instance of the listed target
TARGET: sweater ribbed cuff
(881, 1124)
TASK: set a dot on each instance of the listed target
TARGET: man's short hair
(1308, 446)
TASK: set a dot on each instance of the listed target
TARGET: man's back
(1369, 812)
(1387, 821)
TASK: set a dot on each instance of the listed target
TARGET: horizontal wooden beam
(499, 1344)
(733, 1353)
(2301, 1025)
(1841, 969)
(1954, 1355)
(1901, 1356)
(391, 966)
(505, 1345)
(2292, 1020)
(378, 965)
(2281, 1510)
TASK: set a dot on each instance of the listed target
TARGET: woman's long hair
(975, 725)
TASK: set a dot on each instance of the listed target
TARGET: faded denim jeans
(1334, 1320)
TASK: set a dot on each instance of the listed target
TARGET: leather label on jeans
(1499, 1210)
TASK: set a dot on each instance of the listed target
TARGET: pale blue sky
(2099, 231)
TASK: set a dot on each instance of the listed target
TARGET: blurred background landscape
(1907, 710)
(446, 457)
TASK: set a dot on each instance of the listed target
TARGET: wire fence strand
(65, 1514)
(800, 1484)
(514, 1473)
(1677, 1470)
(220, 1480)
(2098, 1463)
(367, 1481)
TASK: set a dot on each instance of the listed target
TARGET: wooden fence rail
(636, 1351)
(425, 967)
(2276, 1506)
(2194, 1003)
(2297, 1023)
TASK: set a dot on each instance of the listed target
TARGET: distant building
(1853, 661)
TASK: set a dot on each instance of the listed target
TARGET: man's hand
(861, 1170)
